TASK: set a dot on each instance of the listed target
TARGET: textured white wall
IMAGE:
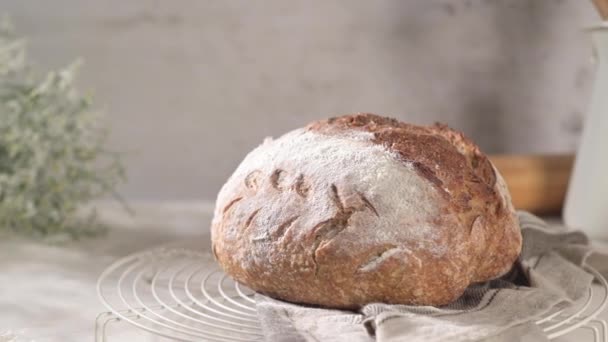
(190, 86)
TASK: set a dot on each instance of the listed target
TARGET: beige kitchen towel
(549, 274)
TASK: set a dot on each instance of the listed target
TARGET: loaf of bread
(363, 208)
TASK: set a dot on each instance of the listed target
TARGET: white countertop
(47, 292)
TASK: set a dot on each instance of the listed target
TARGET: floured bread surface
(362, 209)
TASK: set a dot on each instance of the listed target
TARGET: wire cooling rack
(180, 294)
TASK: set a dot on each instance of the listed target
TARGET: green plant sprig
(52, 148)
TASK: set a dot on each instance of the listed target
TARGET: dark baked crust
(308, 261)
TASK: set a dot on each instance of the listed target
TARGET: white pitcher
(586, 206)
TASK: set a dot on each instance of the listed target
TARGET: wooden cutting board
(537, 183)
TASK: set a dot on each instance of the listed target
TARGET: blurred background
(189, 87)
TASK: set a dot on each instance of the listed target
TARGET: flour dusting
(364, 173)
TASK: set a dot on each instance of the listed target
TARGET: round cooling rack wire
(180, 294)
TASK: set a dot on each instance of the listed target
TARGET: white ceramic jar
(586, 206)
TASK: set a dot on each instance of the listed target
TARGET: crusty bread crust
(362, 208)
